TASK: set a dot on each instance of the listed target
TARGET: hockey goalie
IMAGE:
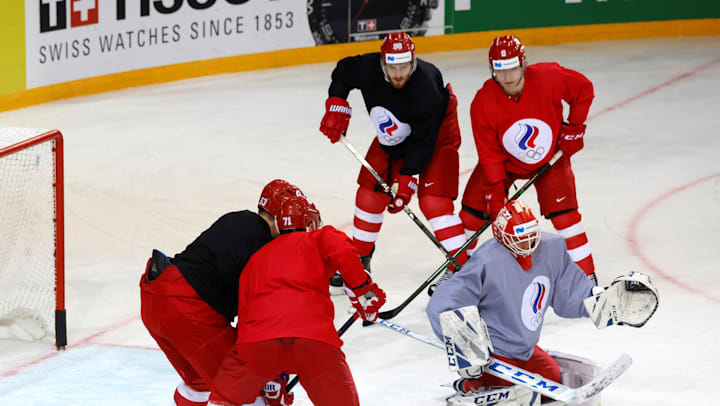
(495, 306)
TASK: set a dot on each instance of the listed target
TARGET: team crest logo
(534, 302)
(389, 129)
(529, 140)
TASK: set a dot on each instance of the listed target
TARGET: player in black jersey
(415, 119)
(189, 301)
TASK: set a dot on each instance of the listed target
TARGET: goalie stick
(389, 314)
(406, 209)
(533, 381)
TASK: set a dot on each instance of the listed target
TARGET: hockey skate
(443, 278)
(593, 279)
(336, 281)
(336, 285)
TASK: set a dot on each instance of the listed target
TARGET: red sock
(447, 227)
(369, 211)
(569, 226)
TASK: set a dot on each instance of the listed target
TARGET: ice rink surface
(152, 167)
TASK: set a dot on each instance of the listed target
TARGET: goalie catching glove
(629, 300)
(467, 341)
(367, 299)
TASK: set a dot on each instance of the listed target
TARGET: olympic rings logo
(531, 154)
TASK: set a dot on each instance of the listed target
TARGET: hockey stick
(389, 314)
(406, 209)
(349, 322)
(531, 380)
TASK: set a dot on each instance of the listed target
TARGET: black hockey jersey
(212, 263)
(418, 108)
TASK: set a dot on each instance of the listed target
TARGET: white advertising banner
(75, 39)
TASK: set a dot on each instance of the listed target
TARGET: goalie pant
(283, 293)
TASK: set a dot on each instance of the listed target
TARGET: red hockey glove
(367, 299)
(570, 140)
(494, 198)
(407, 186)
(336, 118)
(276, 392)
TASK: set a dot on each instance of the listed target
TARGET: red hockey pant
(321, 369)
(194, 337)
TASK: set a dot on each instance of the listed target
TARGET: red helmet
(397, 47)
(517, 229)
(274, 193)
(297, 213)
(506, 52)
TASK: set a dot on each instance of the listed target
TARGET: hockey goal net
(32, 293)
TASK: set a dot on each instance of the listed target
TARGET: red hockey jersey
(519, 137)
(284, 288)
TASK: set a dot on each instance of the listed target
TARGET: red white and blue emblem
(529, 140)
(535, 301)
(389, 129)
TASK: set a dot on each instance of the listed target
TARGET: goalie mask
(298, 213)
(518, 230)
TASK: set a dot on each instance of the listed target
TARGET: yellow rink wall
(13, 95)
(12, 48)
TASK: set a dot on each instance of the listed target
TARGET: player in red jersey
(415, 118)
(189, 301)
(285, 315)
(518, 125)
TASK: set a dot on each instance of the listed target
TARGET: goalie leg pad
(467, 340)
(503, 396)
(630, 300)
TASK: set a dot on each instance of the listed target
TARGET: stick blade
(602, 381)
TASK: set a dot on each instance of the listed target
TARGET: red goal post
(32, 238)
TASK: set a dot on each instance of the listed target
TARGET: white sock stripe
(446, 221)
(572, 231)
(580, 253)
(453, 243)
(469, 233)
(375, 218)
(191, 394)
(364, 236)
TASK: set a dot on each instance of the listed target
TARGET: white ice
(152, 167)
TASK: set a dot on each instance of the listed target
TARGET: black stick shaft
(406, 209)
(393, 312)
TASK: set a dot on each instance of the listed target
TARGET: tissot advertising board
(75, 39)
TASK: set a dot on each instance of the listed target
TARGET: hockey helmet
(397, 47)
(297, 213)
(506, 52)
(274, 193)
(517, 229)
